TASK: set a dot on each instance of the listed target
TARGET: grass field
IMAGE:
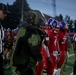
(67, 70)
(69, 65)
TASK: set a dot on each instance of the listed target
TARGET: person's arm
(47, 42)
(58, 45)
(59, 53)
(48, 54)
(46, 50)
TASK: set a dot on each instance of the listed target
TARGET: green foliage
(61, 17)
(75, 24)
(13, 19)
(68, 20)
(18, 5)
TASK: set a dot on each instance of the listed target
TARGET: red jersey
(53, 42)
(62, 41)
(48, 30)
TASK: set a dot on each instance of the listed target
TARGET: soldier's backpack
(36, 17)
(34, 39)
(29, 39)
(28, 43)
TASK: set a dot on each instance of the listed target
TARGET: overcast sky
(64, 7)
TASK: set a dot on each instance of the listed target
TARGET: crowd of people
(8, 44)
(58, 48)
(31, 49)
(54, 49)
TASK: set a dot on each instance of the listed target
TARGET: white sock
(55, 71)
(58, 72)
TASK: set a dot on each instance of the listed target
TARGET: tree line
(13, 19)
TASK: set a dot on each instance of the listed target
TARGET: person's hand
(49, 60)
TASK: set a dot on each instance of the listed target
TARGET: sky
(64, 7)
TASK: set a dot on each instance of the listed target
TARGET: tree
(67, 19)
(13, 19)
(61, 17)
(57, 18)
(17, 7)
(75, 24)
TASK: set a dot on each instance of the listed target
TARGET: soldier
(3, 13)
(27, 47)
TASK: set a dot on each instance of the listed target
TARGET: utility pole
(54, 7)
(22, 11)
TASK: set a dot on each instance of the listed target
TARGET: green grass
(69, 65)
(67, 70)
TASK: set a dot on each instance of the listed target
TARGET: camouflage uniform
(24, 59)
